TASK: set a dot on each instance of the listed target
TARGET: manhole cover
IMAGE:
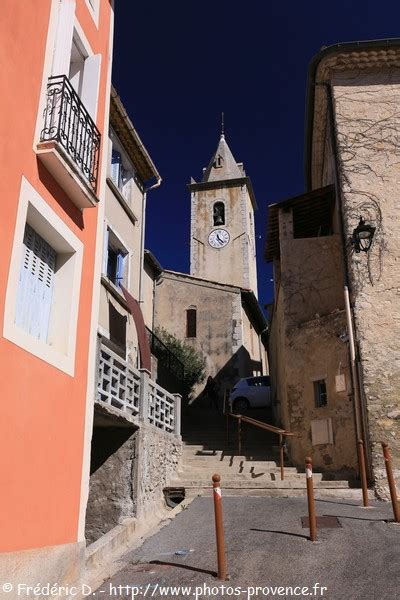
(327, 522)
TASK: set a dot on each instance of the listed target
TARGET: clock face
(218, 238)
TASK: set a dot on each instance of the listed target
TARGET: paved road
(267, 546)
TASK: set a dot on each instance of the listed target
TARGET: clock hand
(219, 239)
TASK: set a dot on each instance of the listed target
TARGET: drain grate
(326, 522)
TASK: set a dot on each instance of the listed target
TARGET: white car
(250, 392)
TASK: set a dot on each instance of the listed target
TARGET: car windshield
(258, 381)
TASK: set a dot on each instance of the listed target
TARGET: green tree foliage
(193, 361)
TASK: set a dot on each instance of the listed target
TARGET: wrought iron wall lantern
(362, 236)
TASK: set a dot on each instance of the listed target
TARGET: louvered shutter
(116, 168)
(120, 269)
(35, 288)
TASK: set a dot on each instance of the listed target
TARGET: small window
(191, 323)
(115, 264)
(219, 213)
(121, 170)
(320, 394)
(218, 162)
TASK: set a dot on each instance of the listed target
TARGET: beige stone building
(334, 343)
(215, 308)
(136, 440)
(223, 322)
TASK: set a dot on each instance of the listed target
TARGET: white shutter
(35, 288)
(116, 168)
(63, 40)
(105, 250)
(90, 85)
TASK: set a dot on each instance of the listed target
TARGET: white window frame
(127, 256)
(127, 165)
(60, 348)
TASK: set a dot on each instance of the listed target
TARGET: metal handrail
(165, 355)
(261, 425)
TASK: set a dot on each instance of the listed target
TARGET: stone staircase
(256, 472)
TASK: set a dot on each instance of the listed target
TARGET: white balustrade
(161, 408)
(133, 392)
(119, 383)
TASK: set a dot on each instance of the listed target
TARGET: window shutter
(191, 323)
(120, 268)
(35, 288)
(90, 85)
(116, 168)
(105, 251)
(65, 31)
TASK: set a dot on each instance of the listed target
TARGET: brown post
(282, 460)
(239, 436)
(392, 484)
(219, 527)
(363, 472)
(310, 497)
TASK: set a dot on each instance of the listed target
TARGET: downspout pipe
(142, 235)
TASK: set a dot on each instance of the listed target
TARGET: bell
(218, 220)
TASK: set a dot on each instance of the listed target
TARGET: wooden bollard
(363, 472)
(310, 497)
(219, 527)
(392, 484)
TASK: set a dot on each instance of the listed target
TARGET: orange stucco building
(55, 89)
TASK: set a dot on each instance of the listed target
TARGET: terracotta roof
(123, 127)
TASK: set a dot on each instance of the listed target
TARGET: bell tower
(222, 237)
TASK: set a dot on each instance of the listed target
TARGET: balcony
(132, 393)
(69, 144)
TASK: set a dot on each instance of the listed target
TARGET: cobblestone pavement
(266, 546)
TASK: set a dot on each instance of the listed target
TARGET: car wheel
(240, 405)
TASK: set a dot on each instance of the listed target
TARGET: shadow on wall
(112, 464)
(238, 366)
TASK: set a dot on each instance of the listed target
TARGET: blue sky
(178, 65)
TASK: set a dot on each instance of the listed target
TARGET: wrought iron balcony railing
(67, 122)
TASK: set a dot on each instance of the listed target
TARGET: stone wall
(111, 488)
(308, 343)
(219, 323)
(130, 466)
(315, 351)
(159, 455)
(367, 124)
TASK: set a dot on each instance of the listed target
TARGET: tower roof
(222, 165)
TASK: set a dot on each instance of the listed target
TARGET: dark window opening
(312, 220)
(191, 323)
(320, 393)
(117, 325)
(115, 265)
(219, 213)
(218, 162)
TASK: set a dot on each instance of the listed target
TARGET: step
(226, 470)
(230, 462)
(340, 494)
(258, 454)
(205, 475)
(257, 484)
